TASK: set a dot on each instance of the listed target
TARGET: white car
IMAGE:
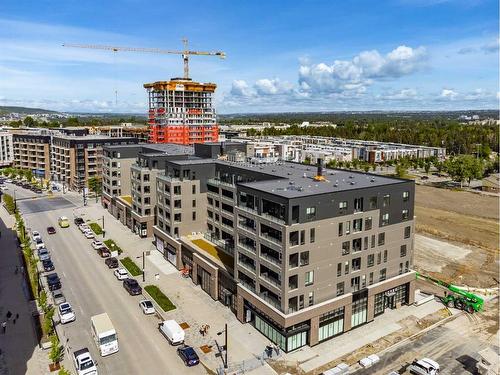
(121, 273)
(39, 244)
(66, 313)
(147, 307)
(98, 245)
(36, 236)
(89, 234)
(83, 228)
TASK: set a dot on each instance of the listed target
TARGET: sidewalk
(20, 353)
(194, 306)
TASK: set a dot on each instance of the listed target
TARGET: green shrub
(56, 351)
(113, 246)
(161, 299)
(131, 267)
(9, 203)
(96, 228)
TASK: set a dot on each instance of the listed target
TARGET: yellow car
(63, 222)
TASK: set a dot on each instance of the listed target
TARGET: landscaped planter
(54, 367)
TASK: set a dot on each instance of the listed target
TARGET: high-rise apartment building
(6, 149)
(32, 151)
(181, 111)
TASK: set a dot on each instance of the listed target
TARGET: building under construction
(181, 111)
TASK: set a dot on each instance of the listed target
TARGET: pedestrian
(269, 351)
(9, 314)
(4, 326)
(202, 330)
(206, 329)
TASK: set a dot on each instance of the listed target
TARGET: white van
(424, 366)
(104, 334)
(172, 331)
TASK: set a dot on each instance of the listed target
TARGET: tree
(57, 350)
(63, 371)
(366, 167)
(28, 174)
(374, 167)
(464, 168)
(401, 170)
(427, 167)
(485, 151)
(332, 164)
(307, 160)
(95, 185)
(29, 122)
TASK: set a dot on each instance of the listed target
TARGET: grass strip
(131, 267)
(112, 246)
(96, 228)
(161, 299)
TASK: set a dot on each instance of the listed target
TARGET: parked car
(89, 234)
(111, 262)
(78, 221)
(121, 273)
(188, 355)
(53, 281)
(83, 228)
(51, 230)
(132, 287)
(43, 254)
(36, 236)
(66, 313)
(147, 307)
(104, 252)
(424, 366)
(96, 244)
(63, 222)
(39, 244)
(58, 297)
(37, 190)
(48, 265)
(84, 364)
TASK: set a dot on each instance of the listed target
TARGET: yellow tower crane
(185, 53)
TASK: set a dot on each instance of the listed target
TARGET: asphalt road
(91, 288)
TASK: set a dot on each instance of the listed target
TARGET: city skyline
(308, 56)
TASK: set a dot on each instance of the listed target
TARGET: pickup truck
(84, 363)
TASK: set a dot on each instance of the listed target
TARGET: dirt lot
(460, 241)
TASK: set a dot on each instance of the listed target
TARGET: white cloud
(267, 86)
(491, 46)
(240, 87)
(448, 94)
(404, 94)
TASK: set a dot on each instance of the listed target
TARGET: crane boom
(185, 53)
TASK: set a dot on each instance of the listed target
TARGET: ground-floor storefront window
(331, 324)
(379, 303)
(359, 309)
(390, 298)
(227, 290)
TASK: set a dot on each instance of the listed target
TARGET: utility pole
(143, 266)
(225, 344)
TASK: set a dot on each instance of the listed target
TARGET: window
(310, 212)
(347, 227)
(310, 299)
(293, 282)
(312, 235)
(147, 211)
(406, 196)
(381, 239)
(359, 311)
(302, 237)
(370, 279)
(294, 238)
(356, 245)
(404, 214)
(402, 251)
(339, 269)
(309, 279)
(340, 289)
(356, 264)
(147, 189)
(194, 215)
(379, 303)
(372, 241)
(385, 256)
(177, 217)
(194, 202)
(407, 232)
(147, 200)
(400, 268)
(341, 229)
(358, 204)
(193, 189)
(357, 225)
(386, 200)
(371, 260)
(355, 284)
(407, 266)
(365, 243)
(345, 247)
(373, 203)
(177, 203)
(331, 324)
(385, 219)
(379, 257)
(343, 205)
(383, 274)
(368, 223)
(346, 268)
(304, 258)
(177, 190)
(293, 260)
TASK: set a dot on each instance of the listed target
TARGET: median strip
(161, 299)
(131, 267)
(96, 228)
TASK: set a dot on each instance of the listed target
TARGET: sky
(282, 56)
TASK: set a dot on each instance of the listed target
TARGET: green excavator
(458, 298)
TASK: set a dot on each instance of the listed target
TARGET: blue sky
(282, 56)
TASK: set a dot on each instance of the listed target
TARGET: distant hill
(25, 110)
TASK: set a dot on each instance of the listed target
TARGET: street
(91, 288)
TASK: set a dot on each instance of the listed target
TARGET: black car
(188, 355)
(78, 221)
(48, 265)
(111, 262)
(132, 287)
(53, 281)
(51, 230)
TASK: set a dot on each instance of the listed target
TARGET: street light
(143, 266)
(225, 343)
(103, 231)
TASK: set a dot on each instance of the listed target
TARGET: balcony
(270, 298)
(270, 276)
(216, 182)
(272, 218)
(248, 209)
(247, 246)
